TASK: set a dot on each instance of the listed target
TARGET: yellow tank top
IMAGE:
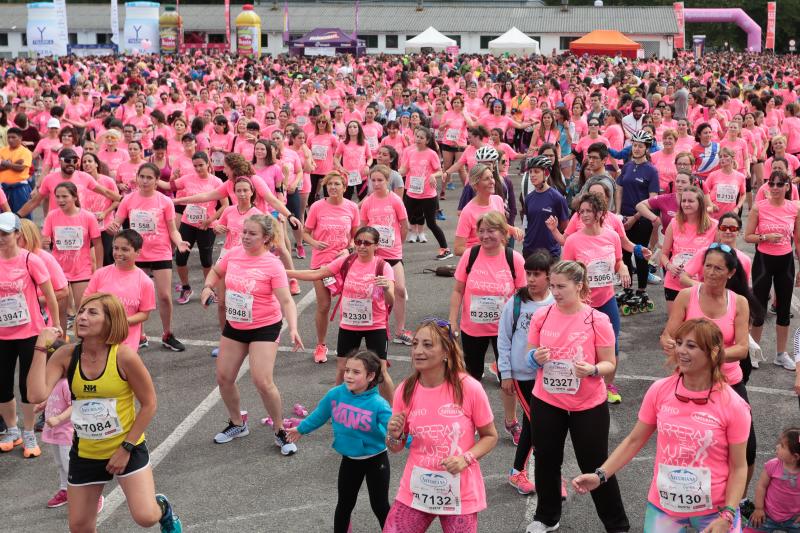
(103, 410)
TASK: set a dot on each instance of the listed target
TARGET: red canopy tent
(604, 43)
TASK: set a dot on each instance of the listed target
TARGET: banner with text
(770, 41)
(680, 37)
(141, 28)
(44, 35)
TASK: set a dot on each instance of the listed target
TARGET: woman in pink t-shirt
(725, 187)
(257, 299)
(323, 144)
(482, 181)
(296, 157)
(329, 229)
(727, 233)
(102, 206)
(30, 238)
(700, 468)
(574, 346)
(126, 171)
(439, 394)
(353, 158)
(664, 160)
(221, 143)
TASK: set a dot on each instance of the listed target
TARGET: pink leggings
(404, 519)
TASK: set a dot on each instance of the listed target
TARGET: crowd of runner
(576, 175)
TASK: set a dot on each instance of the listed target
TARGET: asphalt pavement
(247, 486)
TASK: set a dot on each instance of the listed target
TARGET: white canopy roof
(430, 38)
(514, 42)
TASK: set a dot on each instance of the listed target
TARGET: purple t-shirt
(667, 205)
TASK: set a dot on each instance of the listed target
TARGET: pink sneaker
(299, 410)
(301, 251)
(515, 430)
(294, 287)
(58, 500)
(520, 481)
(321, 354)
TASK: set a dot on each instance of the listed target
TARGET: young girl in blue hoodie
(359, 416)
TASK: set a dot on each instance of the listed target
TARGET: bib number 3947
(684, 489)
(435, 492)
(14, 311)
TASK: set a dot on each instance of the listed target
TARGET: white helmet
(486, 154)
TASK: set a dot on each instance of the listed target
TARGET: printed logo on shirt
(89, 388)
(351, 417)
(450, 410)
(690, 447)
(706, 419)
(18, 284)
(418, 412)
(669, 409)
(547, 209)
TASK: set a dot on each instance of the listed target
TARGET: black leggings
(351, 474)
(312, 195)
(205, 245)
(639, 234)
(777, 270)
(108, 248)
(524, 391)
(475, 353)
(589, 432)
(751, 439)
(424, 210)
(10, 351)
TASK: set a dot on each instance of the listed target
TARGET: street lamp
(792, 44)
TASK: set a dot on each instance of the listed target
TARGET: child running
(778, 490)
(359, 417)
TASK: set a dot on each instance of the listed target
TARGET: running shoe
(185, 295)
(169, 341)
(451, 186)
(294, 287)
(300, 410)
(403, 337)
(422, 238)
(30, 448)
(300, 251)
(538, 527)
(412, 237)
(783, 359)
(440, 215)
(652, 279)
(493, 370)
(515, 430)
(178, 287)
(519, 480)
(10, 440)
(614, 396)
(231, 432)
(143, 342)
(321, 354)
(170, 523)
(444, 253)
(101, 502)
(39, 425)
(282, 442)
(215, 352)
(58, 500)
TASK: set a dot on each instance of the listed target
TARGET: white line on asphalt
(116, 497)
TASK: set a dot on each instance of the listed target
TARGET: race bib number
(485, 309)
(416, 184)
(372, 142)
(195, 214)
(330, 281)
(727, 193)
(302, 120)
(452, 134)
(356, 312)
(238, 307)
(683, 258)
(353, 178)
(559, 378)
(96, 419)
(143, 222)
(68, 238)
(14, 311)
(600, 273)
(435, 492)
(684, 489)
(319, 152)
(386, 236)
(218, 159)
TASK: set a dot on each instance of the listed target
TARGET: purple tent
(331, 38)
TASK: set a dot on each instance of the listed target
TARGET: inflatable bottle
(248, 33)
(170, 28)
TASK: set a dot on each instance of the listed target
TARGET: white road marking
(116, 497)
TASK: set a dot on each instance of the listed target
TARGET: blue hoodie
(359, 420)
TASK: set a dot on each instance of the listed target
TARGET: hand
(508, 386)
(99, 216)
(583, 369)
(774, 237)
(433, 181)
(296, 341)
(757, 518)
(455, 464)
(551, 222)
(49, 335)
(52, 422)
(292, 435)
(674, 269)
(625, 277)
(396, 424)
(382, 282)
(113, 227)
(204, 224)
(667, 344)
(118, 461)
(184, 246)
(46, 241)
(646, 252)
(629, 223)
(40, 407)
(319, 245)
(585, 483)
(720, 525)
(518, 233)
(542, 355)
(219, 229)
(205, 295)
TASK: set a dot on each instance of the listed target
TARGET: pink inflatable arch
(737, 16)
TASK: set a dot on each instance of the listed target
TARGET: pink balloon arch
(736, 16)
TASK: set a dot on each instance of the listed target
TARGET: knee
(164, 299)
(81, 525)
(146, 517)
(225, 379)
(399, 292)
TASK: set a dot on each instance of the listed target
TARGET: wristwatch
(601, 474)
(127, 446)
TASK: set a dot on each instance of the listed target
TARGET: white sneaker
(412, 237)
(423, 237)
(538, 527)
(783, 359)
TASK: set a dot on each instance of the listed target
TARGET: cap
(9, 222)
(53, 123)
(67, 152)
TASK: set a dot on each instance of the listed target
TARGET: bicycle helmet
(540, 161)
(643, 137)
(486, 154)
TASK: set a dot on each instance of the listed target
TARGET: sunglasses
(362, 242)
(728, 229)
(442, 323)
(719, 246)
(69, 159)
(777, 183)
(686, 399)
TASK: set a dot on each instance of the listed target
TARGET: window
(563, 42)
(485, 41)
(72, 38)
(3, 39)
(216, 38)
(24, 39)
(103, 38)
(370, 40)
(392, 41)
(456, 38)
(264, 40)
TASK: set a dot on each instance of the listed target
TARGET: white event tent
(514, 42)
(430, 38)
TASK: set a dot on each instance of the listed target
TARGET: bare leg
(399, 309)
(82, 508)
(323, 308)
(229, 361)
(140, 492)
(262, 362)
(163, 283)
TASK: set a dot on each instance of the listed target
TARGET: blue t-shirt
(539, 206)
(637, 182)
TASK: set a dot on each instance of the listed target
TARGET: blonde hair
(708, 337)
(115, 328)
(575, 271)
(494, 220)
(669, 132)
(30, 234)
(333, 175)
(454, 366)
(269, 227)
(381, 169)
(705, 221)
(476, 172)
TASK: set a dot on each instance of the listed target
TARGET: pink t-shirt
(385, 215)
(685, 244)
(271, 175)
(134, 289)
(727, 325)
(322, 149)
(333, 225)
(570, 338)
(250, 283)
(261, 192)
(612, 221)
(793, 162)
(190, 184)
(782, 501)
(232, 219)
(419, 167)
(665, 164)
(790, 127)
(468, 219)
(149, 216)
(453, 129)
(692, 445)
(439, 428)
(20, 317)
(113, 159)
(57, 278)
(72, 236)
(724, 190)
(776, 219)
(362, 307)
(97, 203)
(354, 159)
(221, 143)
(600, 254)
(694, 268)
(126, 174)
(59, 400)
(83, 182)
(761, 193)
(373, 132)
(486, 289)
